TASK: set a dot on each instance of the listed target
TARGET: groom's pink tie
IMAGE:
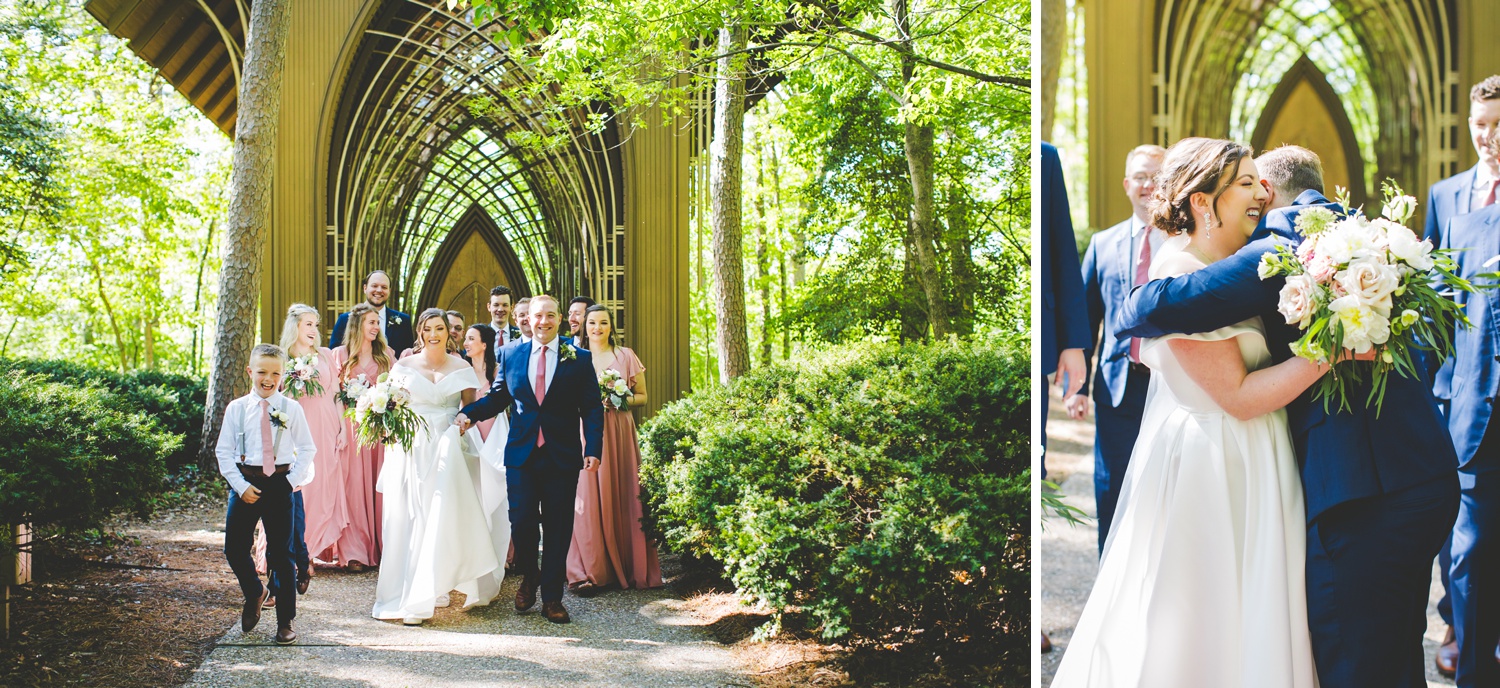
(541, 392)
(1142, 270)
(267, 461)
(1490, 199)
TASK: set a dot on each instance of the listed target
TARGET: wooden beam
(121, 13)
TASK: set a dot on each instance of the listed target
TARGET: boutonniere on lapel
(395, 320)
(566, 352)
(279, 419)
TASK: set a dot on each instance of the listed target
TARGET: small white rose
(1298, 301)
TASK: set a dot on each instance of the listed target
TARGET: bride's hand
(462, 421)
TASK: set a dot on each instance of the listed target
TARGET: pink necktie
(1142, 271)
(1490, 199)
(267, 462)
(541, 391)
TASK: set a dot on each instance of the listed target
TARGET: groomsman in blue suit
(1474, 585)
(1065, 328)
(1461, 194)
(1381, 492)
(1118, 259)
(1065, 324)
(395, 325)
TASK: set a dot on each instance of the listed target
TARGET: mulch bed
(140, 606)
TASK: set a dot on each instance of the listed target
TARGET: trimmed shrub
(175, 402)
(883, 490)
(71, 455)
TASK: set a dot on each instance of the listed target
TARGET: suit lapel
(524, 350)
(1465, 192)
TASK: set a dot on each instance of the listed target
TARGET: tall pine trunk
(726, 190)
(259, 105)
(1054, 21)
(919, 162)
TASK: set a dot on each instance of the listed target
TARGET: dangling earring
(1208, 227)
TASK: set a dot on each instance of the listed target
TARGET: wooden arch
(1305, 72)
(474, 221)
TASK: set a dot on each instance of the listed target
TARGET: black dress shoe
(1446, 658)
(251, 614)
(555, 612)
(526, 595)
(285, 635)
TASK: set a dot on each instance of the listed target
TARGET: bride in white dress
(1201, 583)
(435, 530)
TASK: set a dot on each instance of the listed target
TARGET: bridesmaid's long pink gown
(360, 540)
(609, 546)
(324, 499)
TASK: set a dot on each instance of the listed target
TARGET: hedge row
(884, 490)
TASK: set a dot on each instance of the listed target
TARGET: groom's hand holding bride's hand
(463, 423)
(591, 463)
(1078, 406)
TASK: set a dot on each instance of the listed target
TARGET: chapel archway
(1305, 111)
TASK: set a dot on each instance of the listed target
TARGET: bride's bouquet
(613, 390)
(1366, 284)
(350, 391)
(383, 414)
(303, 378)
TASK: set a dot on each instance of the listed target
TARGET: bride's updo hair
(1193, 165)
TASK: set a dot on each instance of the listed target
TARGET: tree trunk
(961, 260)
(762, 265)
(726, 190)
(249, 213)
(918, 145)
(1054, 20)
(208, 241)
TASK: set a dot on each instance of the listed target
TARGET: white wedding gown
(1201, 583)
(437, 532)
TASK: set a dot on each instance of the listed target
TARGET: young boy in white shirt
(260, 428)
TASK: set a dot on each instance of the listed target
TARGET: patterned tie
(1142, 270)
(267, 462)
(1490, 199)
(541, 391)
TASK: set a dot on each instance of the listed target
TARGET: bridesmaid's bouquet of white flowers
(383, 414)
(302, 380)
(350, 391)
(613, 390)
(1366, 284)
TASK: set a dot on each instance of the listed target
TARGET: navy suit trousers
(541, 496)
(1475, 575)
(1369, 570)
(1116, 429)
(298, 543)
(274, 512)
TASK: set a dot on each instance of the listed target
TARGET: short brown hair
(1489, 89)
(1193, 165)
(1291, 170)
(1150, 149)
(267, 351)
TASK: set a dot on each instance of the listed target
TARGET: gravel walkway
(1068, 556)
(621, 638)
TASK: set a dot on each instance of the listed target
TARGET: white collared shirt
(536, 354)
(1483, 179)
(239, 440)
(502, 333)
(382, 324)
(1156, 238)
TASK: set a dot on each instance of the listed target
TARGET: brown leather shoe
(1446, 658)
(270, 601)
(285, 635)
(302, 585)
(1046, 644)
(555, 612)
(251, 614)
(526, 595)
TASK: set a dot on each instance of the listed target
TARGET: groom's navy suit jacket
(1476, 358)
(1344, 455)
(572, 397)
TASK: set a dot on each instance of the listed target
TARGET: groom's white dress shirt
(239, 440)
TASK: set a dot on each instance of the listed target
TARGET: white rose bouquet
(350, 391)
(383, 414)
(1362, 284)
(302, 380)
(614, 391)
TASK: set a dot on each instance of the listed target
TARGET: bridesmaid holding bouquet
(361, 360)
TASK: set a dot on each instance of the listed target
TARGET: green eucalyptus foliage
(72, 455)
(884, 490)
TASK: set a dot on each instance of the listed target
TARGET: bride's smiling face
(434, 333)
(1241, 205)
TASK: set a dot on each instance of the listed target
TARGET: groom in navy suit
(554, 388)
(1475, 568)
(1381, 492)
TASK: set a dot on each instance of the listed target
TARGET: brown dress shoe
(526, 595)
(1446, 658)
(285, 635)
(1046, 644)
(302, 585)
(555, 612)
(270, 601)
(251, 614)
